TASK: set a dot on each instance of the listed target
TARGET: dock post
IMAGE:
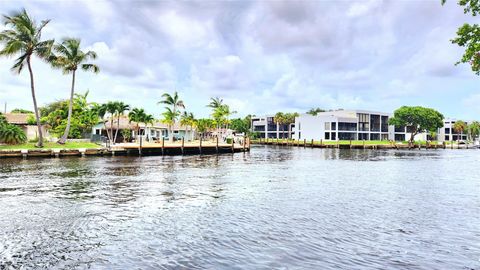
(140, 146)
(200, 146)
(24, 153)
(233, 145)
(363, 144)
(304, 143)
(248, 139)
(444, 145)
(451, 145)
(183, 145)
(163, 146)
(216, 147)
(312, 143)
(321, 142)
(350, 144)
(244, 143)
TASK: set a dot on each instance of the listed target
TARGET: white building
(448, 133)
(350, 125)
(267, 128)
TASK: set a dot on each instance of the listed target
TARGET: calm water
(282, 208)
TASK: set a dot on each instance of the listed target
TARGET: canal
(271, 208)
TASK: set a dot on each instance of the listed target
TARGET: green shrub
(11, 134)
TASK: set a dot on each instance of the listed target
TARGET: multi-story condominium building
(267, 128)
(350, 125)
(448, 133)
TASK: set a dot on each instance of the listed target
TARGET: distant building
(350, 125)
(267, 128)
(21, 120)
(448, 133)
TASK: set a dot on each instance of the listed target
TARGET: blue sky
(260, 57)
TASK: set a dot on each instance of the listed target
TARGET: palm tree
(136, 115)
(460, 127)
(111, 109)
(25, 38)
(289, 119)
(69, 57)
(101, 112)
(175, 102)
(187, 120)
(474, 130)
(120, 111)
(215, 102)
(169, 117)
(279, 118)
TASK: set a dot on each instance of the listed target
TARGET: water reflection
(271, 208)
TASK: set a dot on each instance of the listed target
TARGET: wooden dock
(149, 149)
(351, 145)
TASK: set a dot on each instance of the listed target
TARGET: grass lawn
(51, 145)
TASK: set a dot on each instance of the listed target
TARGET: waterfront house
(151, 132)
(22, 120)
(266, 127)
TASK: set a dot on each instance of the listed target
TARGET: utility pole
(5, 111)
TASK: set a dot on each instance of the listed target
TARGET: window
(327, 125)
(447, 138)
(374, 122)
(399, 129)
(384, 123)
(447, 130)
(334, 126)
(363, 124)
(347, 126)
(399, 137)
(327, 135)
(334, 136)
(374, 137)
(299, 135)
(363, 136)
(346, 136)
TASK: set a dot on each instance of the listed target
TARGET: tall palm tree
(187, 120)
(120, 111)
(169, 117)
(69, 57)
(136, 115)
(111, 109)
(101, 112)
(460, 127)
(474, 130)
(279, 118)
(25, 38)
(175, 103)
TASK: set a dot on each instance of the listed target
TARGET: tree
(175, 102)
(460, 127)
(289, 119)
(468, 36)
(169, 118)
(187, 120)
(204, 125)
(69, 57)
(315, 111)
(25, 38)
(21, 111)
(120, 109)
(279, 118)
(11, 134)
(84, 116)
(240, 125)
(136, 115)
(419, 119)
(474, 130)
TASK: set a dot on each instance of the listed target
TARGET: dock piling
(183, 145)
(163, 146)
(200, 146)
(216, 147)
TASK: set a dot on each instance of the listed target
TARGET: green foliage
(315, 111)
(220, 112)
(21, 111)
(474, 129)
(126, 134)
(204, 125)
(140, 116)
(460, 126)
(84, 116)
(31, 120)
(68, 57)
(468, 36)
(420, 119)
(11, 134)
(240, 125)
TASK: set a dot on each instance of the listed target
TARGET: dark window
(400, 129)
(399, 137)
(384, 123)
(374, 136)
(384, 137)
(346, 136)
(363, 136)
(334, 136)
(347, 126)
(447, 130)
(447, 138)
(327, 135)
(363, 124)
(299, 135)
(334, 126)
(259, 128)
(374, 122)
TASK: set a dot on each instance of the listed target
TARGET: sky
(260, 57)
